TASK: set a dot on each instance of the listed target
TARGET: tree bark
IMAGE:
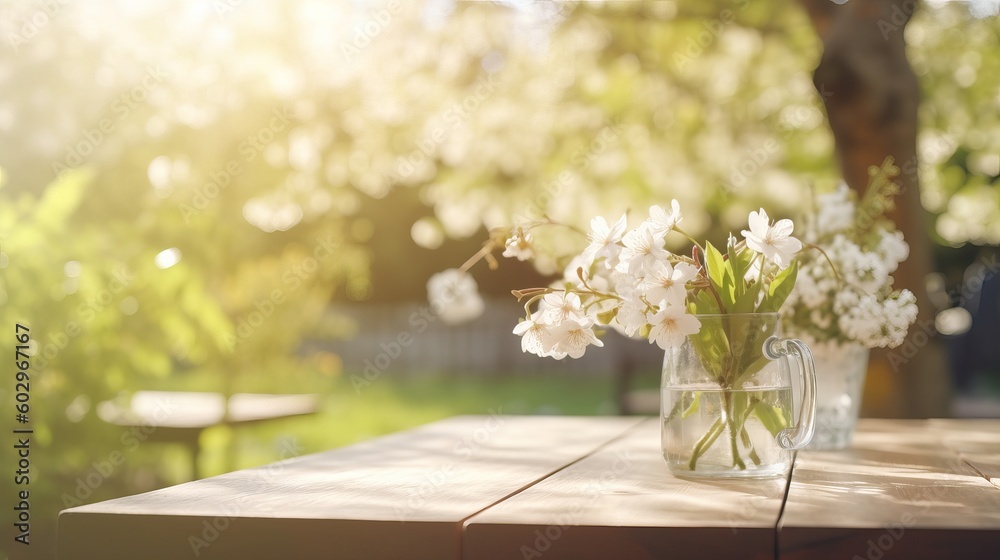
(871, 96)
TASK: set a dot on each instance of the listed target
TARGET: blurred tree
(110, 310)
(871, 95)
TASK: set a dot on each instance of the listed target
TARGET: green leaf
(715, 262)
(745, 302)
(720, 274)
(771, 417)
(711, 343)
(740, 403)
(694, 406)
(740, 263)
(606, 317)
(779, 289)
(705, 304)
(728, 291)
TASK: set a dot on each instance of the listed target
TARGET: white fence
(399, 340)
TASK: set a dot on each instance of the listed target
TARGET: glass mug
(726, 403)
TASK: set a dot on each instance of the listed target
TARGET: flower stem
(748, 443)
(529, 303)
(691, 239)
(673, 412)
(730, 413)
(833, 267)
(482, 253)
(550, 222)
(706, 441)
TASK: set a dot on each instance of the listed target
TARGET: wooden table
(508, 487)
(182, 416)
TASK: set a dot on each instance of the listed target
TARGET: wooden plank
(621, 502)
(899, 492)
(976, 441)
(403, 495)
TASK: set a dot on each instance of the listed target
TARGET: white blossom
(662, 221)
(604, 241)
(893, 249)
(834, 211)
(454, 296)
(877, 323)
(519, 246)
(571, 338)
(631, 318)
(643, 247)
(563, 306)
(665, 282)
(870, 273)
(775, 242)
(859, 306)
(671, 325)
(533, 335)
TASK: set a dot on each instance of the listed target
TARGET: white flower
(775, 242)
(874, 323)
(570, 338)
(666, 282)
(663, 221)
(626, 286)
(454, 296)
(812, 288)
(871, 273)
(893, 249)
(671, 325)
(519, 245)
(631, 317)
(562, 306)
(820, 319)
(859, 269)
(604, 241)
(533, 335)
(834, 211)
(643, 247)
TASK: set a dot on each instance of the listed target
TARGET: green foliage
(720, 274)
(106, 321)
(729, 303)
(779, 289)
(772, 417)
(730, 291)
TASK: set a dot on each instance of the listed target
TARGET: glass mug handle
(797, 436)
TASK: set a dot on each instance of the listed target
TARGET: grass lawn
(390, 405)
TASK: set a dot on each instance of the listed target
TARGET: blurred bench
(181, 417)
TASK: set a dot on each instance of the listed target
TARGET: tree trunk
(871, 96)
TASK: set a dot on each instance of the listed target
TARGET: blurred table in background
(181, 417)
(503, 487)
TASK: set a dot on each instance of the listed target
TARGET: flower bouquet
(726, 404)
(841, 316)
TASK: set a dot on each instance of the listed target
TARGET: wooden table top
(518, 487)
